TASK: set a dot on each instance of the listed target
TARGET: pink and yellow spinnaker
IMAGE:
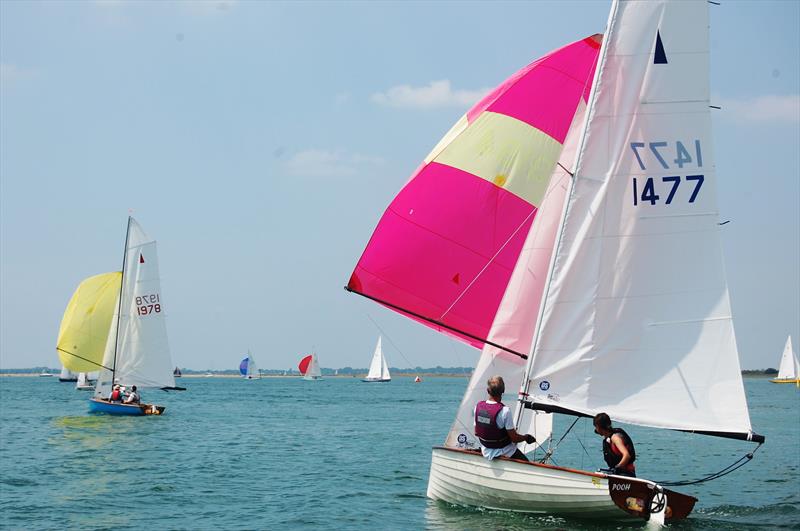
(445, 248)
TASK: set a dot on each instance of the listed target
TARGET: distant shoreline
(37, 374)
(265, 376)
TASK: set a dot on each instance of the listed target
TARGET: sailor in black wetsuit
(618, 450)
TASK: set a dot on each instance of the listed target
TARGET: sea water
(284, 453)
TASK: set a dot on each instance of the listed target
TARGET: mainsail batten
(446, 247)
(620, 329)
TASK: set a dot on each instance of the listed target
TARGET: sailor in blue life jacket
(494, 425)
(618, 450)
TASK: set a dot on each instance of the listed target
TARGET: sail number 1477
(650, 189)
(147, 304)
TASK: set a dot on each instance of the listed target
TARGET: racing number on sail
(147, 304)
(670, 183)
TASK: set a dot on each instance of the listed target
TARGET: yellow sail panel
(87, 321)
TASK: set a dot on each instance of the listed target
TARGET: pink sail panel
(304, 363)
(555, 82)
(444, 250)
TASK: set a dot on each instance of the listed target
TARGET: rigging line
(82, 358)
(460, 361)
(716, 475)
(584, 448)
(437, 323)
(491, 260)
(550, 451)
(390, 340)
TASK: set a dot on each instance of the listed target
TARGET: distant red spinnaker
(304, 363)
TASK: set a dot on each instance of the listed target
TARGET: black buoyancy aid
(612, 459)
(486, 425)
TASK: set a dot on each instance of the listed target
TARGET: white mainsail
(790, 366)
(313, 372)
(636, 320)
(67, 375)
(252, 369)
(138, 349)
(378, 368)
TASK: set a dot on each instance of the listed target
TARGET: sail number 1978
(147, 304)
(649, 189)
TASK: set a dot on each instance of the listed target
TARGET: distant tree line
(344, 371)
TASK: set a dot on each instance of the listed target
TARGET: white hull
(312, 377)
(465, 478)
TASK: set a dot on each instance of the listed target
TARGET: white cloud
(330, 163)
(773, 109)
(435, 94)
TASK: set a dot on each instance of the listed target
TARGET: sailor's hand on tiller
(530, 439)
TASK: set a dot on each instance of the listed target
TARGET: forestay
(637, 320)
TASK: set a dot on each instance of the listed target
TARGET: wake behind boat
(115, 323)
(562, 271)
(378, 368)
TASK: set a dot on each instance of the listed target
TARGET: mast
(119, 303)
(523, 392)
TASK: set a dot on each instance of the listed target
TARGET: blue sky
(260, 142)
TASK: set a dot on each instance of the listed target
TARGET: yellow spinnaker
(87, 321)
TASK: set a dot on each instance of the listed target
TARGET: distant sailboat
(248, 368)
(417, 380)
(115, 323)
(177, 372)
(309, 368)
(378, 368)
(789, 370)
(67, 375)
(44, 374)
(84, 382)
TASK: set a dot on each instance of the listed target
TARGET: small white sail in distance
(378, 368)
(790, 366)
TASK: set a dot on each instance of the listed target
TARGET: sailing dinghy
(378, 368)
(563, 271)
(85, 382)
(115, 324)
(248, 369)
(309, 368)
(789, 370)
(67, 375)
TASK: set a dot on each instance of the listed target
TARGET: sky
(260, 142)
